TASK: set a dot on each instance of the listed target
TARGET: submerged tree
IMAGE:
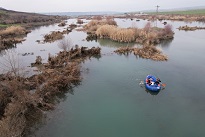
(65, 44)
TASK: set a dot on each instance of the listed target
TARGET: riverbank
(26, 20)
(15, 25)
(167, 16)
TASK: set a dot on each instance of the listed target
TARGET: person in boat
(149, 81)
(157, 82)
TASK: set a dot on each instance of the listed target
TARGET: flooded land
(83, 76)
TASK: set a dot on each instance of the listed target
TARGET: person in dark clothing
(149, 81)
(157, 81)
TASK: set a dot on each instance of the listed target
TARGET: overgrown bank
(14, 26)
(27, 20)
(109, 30)
(10, 36)
(23, 101)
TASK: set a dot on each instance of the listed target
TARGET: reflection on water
(152, 92)
(110, 102)
(166, 43)
(110, 43)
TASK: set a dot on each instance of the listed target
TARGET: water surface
(111, 103)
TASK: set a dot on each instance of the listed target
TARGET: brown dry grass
(147, 35)
(123, 35)
(150, 52)
(116, 34)
(95, 24)
(13, 30)
(11, 36)
(55, 35)
(21, 109)
(188, 28)
(147, 52)
(18, 108)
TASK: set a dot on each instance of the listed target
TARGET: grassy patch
(3, 25)
(186, 12)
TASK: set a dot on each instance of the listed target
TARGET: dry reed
(13, 30)
(116, 34)
(147, 35)
(21, 109)
(147, 52)
(95, 24)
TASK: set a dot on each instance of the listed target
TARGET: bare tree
(65, 44)
(10, 63)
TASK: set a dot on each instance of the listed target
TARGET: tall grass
(116, 34)
(13, 30)
(124, 35)
(108, 29)
(95, 24)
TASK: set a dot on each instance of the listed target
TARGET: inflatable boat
(150, 84)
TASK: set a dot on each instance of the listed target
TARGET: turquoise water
(111, 103)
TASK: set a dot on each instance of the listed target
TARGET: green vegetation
(186, 12)
(27, 20)
(3, 25)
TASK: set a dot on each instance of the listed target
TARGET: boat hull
(152, 87)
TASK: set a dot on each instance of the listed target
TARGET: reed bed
(108, 29)
(95, 24)
(12, 35)
(13, 30)
(147, 35)
(123, 35)
(116, 34)
(147, 52)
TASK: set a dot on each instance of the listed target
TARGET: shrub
(97, 17)
(65, 44)
(147, 27)
(168, 29)
(79, 21)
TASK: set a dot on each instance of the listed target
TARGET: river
(110, 102)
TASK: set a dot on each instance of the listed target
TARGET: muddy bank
(23, 101)
(147, 52)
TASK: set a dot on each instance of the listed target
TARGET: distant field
(187, 12)
(2, 25)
